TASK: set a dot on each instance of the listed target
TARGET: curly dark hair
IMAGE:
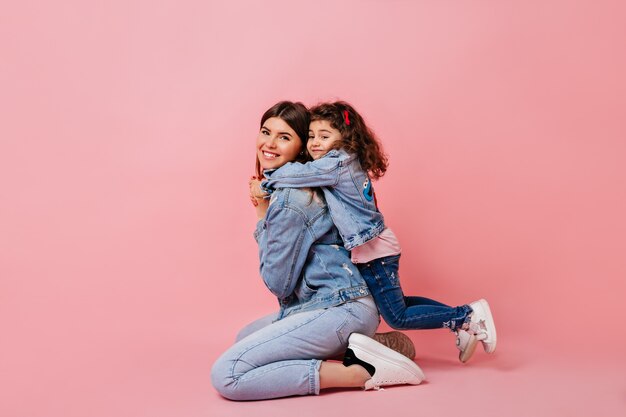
(356, 137)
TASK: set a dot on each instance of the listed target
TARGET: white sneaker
(481, 324)
(466, 342)
(386, 366)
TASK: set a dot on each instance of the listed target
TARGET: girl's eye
(324, 137)
(284, 137)
(265, 132)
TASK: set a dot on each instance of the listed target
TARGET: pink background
(127, 262)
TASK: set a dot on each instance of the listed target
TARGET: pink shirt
(385, 244)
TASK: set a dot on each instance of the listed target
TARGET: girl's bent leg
(407, 313)
(414, 300)
(269, 363)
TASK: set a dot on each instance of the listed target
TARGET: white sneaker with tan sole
(466, 343)
(482, 325)
(397, 341)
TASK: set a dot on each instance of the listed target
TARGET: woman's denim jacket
(347, 189)
(303, 261)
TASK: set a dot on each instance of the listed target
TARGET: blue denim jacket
(303, 261)
(347, 189)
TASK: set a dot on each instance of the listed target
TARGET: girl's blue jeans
(407, 313)
(273, 359)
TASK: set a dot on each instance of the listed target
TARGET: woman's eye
(265, 132)
(284, 137)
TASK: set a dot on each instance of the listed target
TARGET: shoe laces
(479, 329)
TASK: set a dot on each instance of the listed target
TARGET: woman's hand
(255, 188)
(257, 197)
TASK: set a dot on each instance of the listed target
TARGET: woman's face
(277, 144)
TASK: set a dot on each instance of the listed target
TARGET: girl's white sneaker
(482, 325)
(466, 342)
(397, 341)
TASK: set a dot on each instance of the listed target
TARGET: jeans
(274, 359)
(407, 313)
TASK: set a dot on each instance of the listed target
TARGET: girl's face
(277, 144)
(322, 137)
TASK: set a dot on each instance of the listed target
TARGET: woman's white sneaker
(386, 366)
(482, 325)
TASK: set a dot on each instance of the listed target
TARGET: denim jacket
(303, 261)
(347, 189)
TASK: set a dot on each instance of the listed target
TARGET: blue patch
(368, 191)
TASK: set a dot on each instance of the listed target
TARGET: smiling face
(277, 144)
(322, 138)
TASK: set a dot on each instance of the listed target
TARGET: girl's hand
(255, 188)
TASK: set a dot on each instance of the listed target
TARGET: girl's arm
(280, 237)
(323, 172)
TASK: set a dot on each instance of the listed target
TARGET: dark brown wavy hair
(297, 117)
(356, 137)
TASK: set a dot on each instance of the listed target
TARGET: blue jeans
(274, 359)
(407, 313)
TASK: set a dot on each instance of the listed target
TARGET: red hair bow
(345, 117)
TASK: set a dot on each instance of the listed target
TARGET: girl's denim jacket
(303, 261)
(347, 189)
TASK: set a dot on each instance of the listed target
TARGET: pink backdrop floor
(167, 375)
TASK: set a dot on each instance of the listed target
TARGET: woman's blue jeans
(407, 313)
(272, 359)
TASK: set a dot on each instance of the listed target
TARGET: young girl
(346, 153)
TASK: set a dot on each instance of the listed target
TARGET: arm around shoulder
(323, 172)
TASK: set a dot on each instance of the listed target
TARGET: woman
(325, 306)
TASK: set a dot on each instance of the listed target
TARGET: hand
(257, 197)
(253, 199)
(255, 188)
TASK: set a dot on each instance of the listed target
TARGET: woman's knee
(223, 379)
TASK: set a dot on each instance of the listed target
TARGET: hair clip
(345, 117)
